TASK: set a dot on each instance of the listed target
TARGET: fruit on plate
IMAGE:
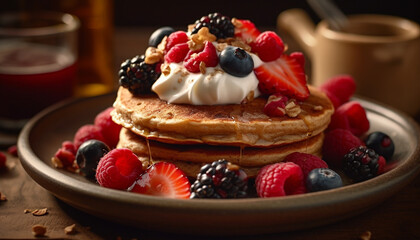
(320, 179)
(163, 179)
(220, 179)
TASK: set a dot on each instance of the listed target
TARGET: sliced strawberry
(165, 180)
(285, 75)
(246, 30)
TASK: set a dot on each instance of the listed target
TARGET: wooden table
(396, 218)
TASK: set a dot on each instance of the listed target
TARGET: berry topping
(307, 162)
(65, 156)
(268, 46)
(245, 30)
(284, 75)
(321, 179)
(220, 179)
(177, 53)
(280, 179)
(338, 143)
(12, 150)
(219, 25)
(138, 76)
(236, 61)
(176, 38)
(339, 89)
(275, 106)
(158, 35)
(3, 160)
(118, 169)
(195, 62)
(163, 179)
(88, 156)
(109, 129)
(381, 143)
(351, 116)
(87, 132)
(363, 163)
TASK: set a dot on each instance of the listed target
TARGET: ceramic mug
(381, 52)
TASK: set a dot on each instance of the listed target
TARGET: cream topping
(214, 87)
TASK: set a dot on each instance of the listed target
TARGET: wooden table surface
(396, 218)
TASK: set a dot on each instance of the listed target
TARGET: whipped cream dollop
(214, 87)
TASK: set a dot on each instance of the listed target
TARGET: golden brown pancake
(235, 125)
(191, 157)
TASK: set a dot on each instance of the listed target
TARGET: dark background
(181, 13)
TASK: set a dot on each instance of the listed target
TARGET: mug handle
(299, 25)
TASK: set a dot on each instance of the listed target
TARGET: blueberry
(381, 143)
(236, 61)
(88, 156)
(320, 179)
(158, 35)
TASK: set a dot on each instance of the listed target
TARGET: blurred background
(108, 26)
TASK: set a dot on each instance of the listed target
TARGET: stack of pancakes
(190, 136)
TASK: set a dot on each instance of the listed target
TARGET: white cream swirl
(215, 87)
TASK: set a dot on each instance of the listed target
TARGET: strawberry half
(246, 30)
(285, 75)
(165, 180)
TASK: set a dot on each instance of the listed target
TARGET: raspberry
(208, 56)
(118, 169)
(341, 87)
(66, 154)
(363, 163)
(3, 160)
(307, 162)
(176, 38)
(351, 116)
(109, 129)
(280, 179)
(276, 105)
(87, 132)
(338, 143)
(177, 53)
(268, 46)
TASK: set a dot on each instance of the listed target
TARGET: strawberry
(285, 75)
(246, 30)
(163, 179)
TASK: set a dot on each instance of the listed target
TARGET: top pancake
(236, 124)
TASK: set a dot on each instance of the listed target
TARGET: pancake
(235, 125)
(191, 157)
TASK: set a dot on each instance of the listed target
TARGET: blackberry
(220, 179)
(219, 25)
(138, 76)
(362, 163)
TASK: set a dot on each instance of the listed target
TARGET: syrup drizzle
(150, 151)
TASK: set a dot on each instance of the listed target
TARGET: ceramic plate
(43, 135)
